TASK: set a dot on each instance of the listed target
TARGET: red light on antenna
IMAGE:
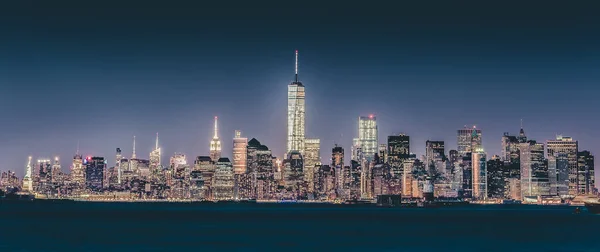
(371, 116)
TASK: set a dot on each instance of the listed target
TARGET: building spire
(133, 154)
(156, 147)
(296, 65)
(216, 129)
(77, 153)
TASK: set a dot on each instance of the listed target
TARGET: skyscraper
(367, 136)
(469, 139)
(558, 174)
(566, 145)
(295, 116)
(479, 174)
(312, 157)
(534, 173)
(398, 151)
(224, 180)
(586, 183)
(434, 151)
(94, 173)
(215, 144)
(155, 157)
(293, 171)
(240, 153)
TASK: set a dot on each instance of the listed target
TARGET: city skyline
(149, 82)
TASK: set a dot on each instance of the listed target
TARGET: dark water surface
(297, 227)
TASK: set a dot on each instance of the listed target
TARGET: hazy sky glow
(102, 73)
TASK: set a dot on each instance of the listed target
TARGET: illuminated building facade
(155, 157)
(206, 167)
(558, 174)
(312, 157)
(568, 146)
(240, 153)
(94, 173)
(479, 174)
(293, 173)
(295, 116)
(215, 144)
(367, 136)
(586, 182)
(224, 182)
(534, 170)
(434, 152)
(469, 139)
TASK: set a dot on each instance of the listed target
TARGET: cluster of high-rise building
(525, 170)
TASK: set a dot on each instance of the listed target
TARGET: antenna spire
(216, 129)
(296, 65)
(156, 148)
(77, 153)
(521, 123)
(133, 154)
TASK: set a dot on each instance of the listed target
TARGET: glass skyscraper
(295, 116)
(367, 136)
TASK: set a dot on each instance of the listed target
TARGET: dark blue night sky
(102, 73)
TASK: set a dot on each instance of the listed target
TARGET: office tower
(355, 149)
(215, 144)
(566, 145)
(383, 153)
(265, 167)
(534, 172)
(179, 176)
(56, 171)
(510, 147)
(496, 178)
(367, 136)
(224, 180)
(453, 156)
(78, 172)
(28, 179)
(42, 176)
(155, 157)
(312, 157)
(337, 156)
(398, 151)
(293, 173)
(479, 179)
(206, 167)
(466, 167)
(240, 153)
(407, 177)
(325, 182)
(295, 116)
(434, 152)
(94, 173)
(469, 139)
(558, 174)
(178, 159)
(585, 173)
(337, 164)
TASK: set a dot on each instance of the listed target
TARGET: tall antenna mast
(521, 123)
(296, 65)
(77, 153)
(216, 128)
(156, 148)
(133, 154)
